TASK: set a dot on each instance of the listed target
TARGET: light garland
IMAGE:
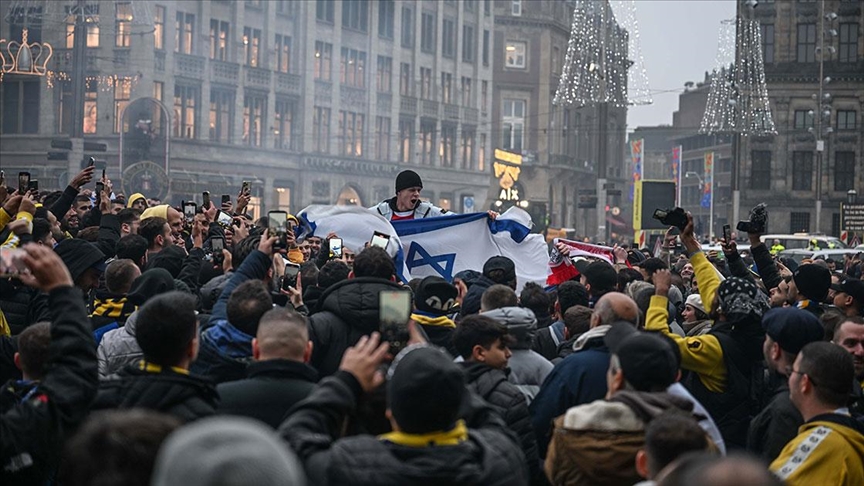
(105, 82)
(604, 61)
(738, 97)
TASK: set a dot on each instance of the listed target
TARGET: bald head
(732, 470)
(282, 334)
(615, 306)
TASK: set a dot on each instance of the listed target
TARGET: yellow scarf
(154, 368)
(441, 321)
(110, 307)
(454, 436)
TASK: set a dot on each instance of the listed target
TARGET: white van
(802, 241)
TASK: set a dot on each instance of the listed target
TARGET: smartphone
(33, 185)
(224, 219)
(205, 202)
(394, 310)
(103, 174)
(226, 199)
(99, 188)
(727, 233)
(245, 188)
(380, 240)
(12, 262)
(91, 162)
(335, 247)
(2, 178)
(292, 273)
(23, 182)
(217, 243)
(276, 221)
(189, 210)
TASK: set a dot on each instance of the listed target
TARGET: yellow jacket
(828, 450)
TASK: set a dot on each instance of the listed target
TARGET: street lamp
(690, 174)
(851, 196)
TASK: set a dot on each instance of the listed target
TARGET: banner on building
(636, 152)
(708, 180)
(676, 173)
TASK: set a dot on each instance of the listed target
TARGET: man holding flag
(406, 204)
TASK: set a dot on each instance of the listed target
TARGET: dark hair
(309, 274)
(571, 293)
(165, 327)
(831, 319)
(669, 436)
(413, 284)
(133, 247)
(651, 265)
(81, 198)
(41, 228)
(119, 275)
(830, 369)
(602, 278)
(498, 296)
(150, 228)
(247, 303)
(90, 233)
(627, 275)
(533, 297)
(243, 249)
(476, 330)
(374, 262)
(51, 198)
(116, 447)
(332, 273)
(128, 215)
(577, 320)
(34, 344)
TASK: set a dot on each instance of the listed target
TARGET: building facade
(316, 101)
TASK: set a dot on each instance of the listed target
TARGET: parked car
(799, 254)
(802, 240)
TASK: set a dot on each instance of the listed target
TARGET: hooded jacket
(471, 302)
(348, 310)
(424, 209)
(79, 255)
(775, 426)
(827, 450)
(119, 349)
(529, 368)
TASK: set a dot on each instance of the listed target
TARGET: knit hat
(647, 361)
(435, 296)
(407, 179)
(740, 299)
(226, 451)
(134, 198)
(79, 255)
(150, 284)
(812, 281)
(425, 389)
(468, 277)
(792, 328)
(695, 301)
(635, 257)
(502, 268)
(160, 211)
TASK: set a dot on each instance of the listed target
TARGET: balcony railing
(224, 72)
(408, 105)
(258, 77)
(430, 108)
(189, 66)
(288, 83)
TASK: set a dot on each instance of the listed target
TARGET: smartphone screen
(224, 218)
(91, 162)
(23, 182)
(727, 233)
(12, 262)
(205, 203)
(189, 210)
(99, 188)
(276, 221)
(245, 188)
(393, 314)
(33, 185)
(292, 272)
(380, 240)
(226, 199)
(336, 247)
(218, 244)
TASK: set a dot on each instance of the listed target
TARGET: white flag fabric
(354, 224)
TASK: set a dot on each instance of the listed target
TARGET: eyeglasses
(790, 371)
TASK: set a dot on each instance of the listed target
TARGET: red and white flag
(658, 247)
(562, 268)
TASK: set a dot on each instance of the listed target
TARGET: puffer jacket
(423, 210)
(491, 385)
(348, 311)
(22, 305)
(119, 348)
(528, 368)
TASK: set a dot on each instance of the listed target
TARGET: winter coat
(424, 209)
(488, 457)
(22, 305)
(548, 340)
(471, 301)
(33, 431)
(168, 391)
(528, 368)
(775, 426)
(119, 348)
(347, 311)
(827, 450)
(492, 385)
(271, 388)
(211, 290)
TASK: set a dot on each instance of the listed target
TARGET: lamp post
(851, 196)
(690, 174)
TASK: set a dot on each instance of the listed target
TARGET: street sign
(468, 204)
(587, 202)
(609, 185)
(613, 192)
(851, 217)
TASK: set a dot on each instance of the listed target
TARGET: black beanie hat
(150, 284)
(435, 296)
(813, 281)
(425, 390)
(406, 179)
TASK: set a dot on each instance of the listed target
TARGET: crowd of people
(135, 350)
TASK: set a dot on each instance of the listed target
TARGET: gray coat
(119, 348)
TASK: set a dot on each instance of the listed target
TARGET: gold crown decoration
(25, 58)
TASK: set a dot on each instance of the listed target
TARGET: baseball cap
(851, 286)
(504, 265)
(647, 361)
(792, 328)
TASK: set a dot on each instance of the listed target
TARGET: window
(469, 5)
(283, 53)
(158, 90)
(30, 18)
(284, 7)
(122, 92)
(353, 68)
(427, 141)
(254, 106)
(252, 46)
(122, 24)
(767, 42)
(466, 91)
(283, 125)
(514, 54)
(351, 133)
(513, 125)
(324, 10)
(158, 27)
(64, 116)
(185, 100)
(446, 88)
(481, 153)
(323, 60)
(219, 40)
(427, 32)
(184, 32)
(556, 60)
(91, 107)
(844, 172)
(802, 171)
(760, 170)
(425, 83)
(355, 15)
(516, 8)
(485, 47)
(221, 115)
(806, 43)
(484, 95)
(406, 137)
(321, 129)
(448, 38)
(386, 15)
(447, 145)
(91, 18)
(468, 41)
(407, 27)
(799, 222)
(847, 119)
(253, 3)
(20, 106)
(803, 120)
(382, 138)
(487, 7)
(384, 74)
(405, 79)
(848, 51)
(468, 135)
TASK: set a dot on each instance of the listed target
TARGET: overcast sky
(679, 43)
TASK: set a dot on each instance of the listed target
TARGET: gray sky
(679, 43)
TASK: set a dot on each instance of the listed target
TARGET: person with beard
(74, 217)
(64, 203)
(850, 335)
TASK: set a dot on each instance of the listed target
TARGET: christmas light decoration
(604, 62)
(738, 97)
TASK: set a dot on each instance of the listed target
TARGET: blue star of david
(418, 257)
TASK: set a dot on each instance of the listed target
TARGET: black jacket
(32, 432)
(183, 396)
(271, 389)
(347, 311)
(489, 456)
(22, 305)
(471, 302)
(492, 385)
(775, 426)
(765, 265)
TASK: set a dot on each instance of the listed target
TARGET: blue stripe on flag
(410, 227)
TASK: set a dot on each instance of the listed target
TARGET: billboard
(648, 196)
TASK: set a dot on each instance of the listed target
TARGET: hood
(476, 370)
(131, 324)
(520, 322)
(471, 302)
(151, 283)
(79, 255)
(170, 258)
(649, 405)
(134, 198)
(355, 301)
(160, 211)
